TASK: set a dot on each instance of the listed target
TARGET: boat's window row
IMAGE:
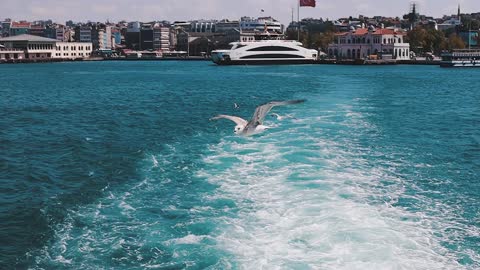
(271, 56)
(271, 49)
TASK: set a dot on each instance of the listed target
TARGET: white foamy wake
(306, 200)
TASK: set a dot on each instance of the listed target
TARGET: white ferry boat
(461, 58)
(265, 52)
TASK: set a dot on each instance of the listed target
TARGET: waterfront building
(105, 38)
(7, 54)
(361, 43)
(37, 30)
(173, 38)
(83, 34)
(50, 31)
(34, 47)
(116, 37)
(72, 50)
(185, 26)
(261, 24)
(19, 28)
(41, 48)
(5, 28)
(196, 43)
(203, 26)
(61, 34)
(132, 36)
(234, 35)
(226, 25)
(161, 38)
(146, 37)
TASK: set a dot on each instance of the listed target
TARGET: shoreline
(358, 62)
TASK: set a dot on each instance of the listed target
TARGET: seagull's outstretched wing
(262, 110)
(236, 119)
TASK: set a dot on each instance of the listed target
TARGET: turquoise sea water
(114, 165)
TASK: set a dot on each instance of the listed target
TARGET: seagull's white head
(239, 129)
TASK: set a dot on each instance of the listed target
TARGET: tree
(455, 42)
(416, 38)
(435, 41)
(426, 40)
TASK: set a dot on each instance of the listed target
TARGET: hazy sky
(145, 10)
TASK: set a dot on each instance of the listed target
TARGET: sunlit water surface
(115, 165)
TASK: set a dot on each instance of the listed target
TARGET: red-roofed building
(362, 42)
(19, 28)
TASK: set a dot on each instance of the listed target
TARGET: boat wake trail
(307, 199)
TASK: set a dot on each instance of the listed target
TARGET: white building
(450, 23)
(226, 25)
(105, 38)
(40, 48)
(161, 38)
(262, 24)
(72, 50)
(203, 26)
(362, 42)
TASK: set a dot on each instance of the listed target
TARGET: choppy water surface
(114, 165)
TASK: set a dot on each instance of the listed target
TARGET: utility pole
(298, 21)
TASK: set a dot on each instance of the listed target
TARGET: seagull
(255, 125)
(235, 106)
(280, 117)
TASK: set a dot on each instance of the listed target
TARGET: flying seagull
(255, 125)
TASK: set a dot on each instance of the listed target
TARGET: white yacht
(265, 52)
(461, 58)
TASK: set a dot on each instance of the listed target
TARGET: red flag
(307, 3)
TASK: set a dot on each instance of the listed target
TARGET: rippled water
(114, 165)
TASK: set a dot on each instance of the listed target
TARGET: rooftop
(21, 24)
(30, 38)
(364, 31)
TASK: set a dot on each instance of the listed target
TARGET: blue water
(115, 165)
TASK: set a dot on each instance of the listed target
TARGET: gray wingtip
(296, 101)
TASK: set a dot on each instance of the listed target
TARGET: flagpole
(298, 21)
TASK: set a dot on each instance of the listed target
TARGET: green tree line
(435, 41)
(421, 39)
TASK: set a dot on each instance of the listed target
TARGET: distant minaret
(413, 16)
(458, 14)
